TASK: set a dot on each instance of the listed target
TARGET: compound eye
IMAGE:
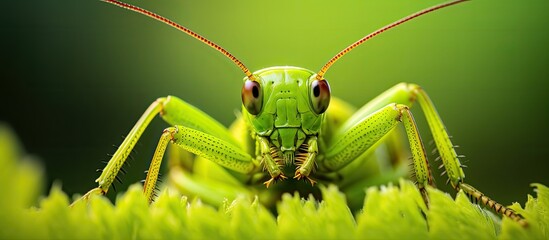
(252, 97)
(320, 95)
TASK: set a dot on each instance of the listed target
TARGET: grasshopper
(293, 134)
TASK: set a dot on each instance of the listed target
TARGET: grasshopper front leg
(368, 126)
(191, 124)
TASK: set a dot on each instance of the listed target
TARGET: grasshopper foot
(274, 179)
(96, 191)
(299, 176)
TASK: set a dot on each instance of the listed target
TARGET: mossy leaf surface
(389, 212)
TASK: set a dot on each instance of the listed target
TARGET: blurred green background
(76, 75)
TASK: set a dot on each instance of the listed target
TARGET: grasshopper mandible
(291, 129)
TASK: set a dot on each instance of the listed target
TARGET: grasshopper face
(286, 105)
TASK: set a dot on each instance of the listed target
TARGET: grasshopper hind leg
(450, 161)
(359, 134)
(193, 130)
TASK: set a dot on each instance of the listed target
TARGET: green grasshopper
(292, 134)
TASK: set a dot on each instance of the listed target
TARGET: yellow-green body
(287, 89)
(291, 134)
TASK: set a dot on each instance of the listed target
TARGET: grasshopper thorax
(285, 105)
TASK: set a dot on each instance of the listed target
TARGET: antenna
(185, 30)
(320, 74)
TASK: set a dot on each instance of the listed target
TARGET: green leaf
(393, 213)
(389, 212)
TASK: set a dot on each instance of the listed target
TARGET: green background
(76, 75)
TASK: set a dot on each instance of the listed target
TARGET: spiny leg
(152, 174)
(360, 138)
(477, 196)
(175, 112)
(408, 94)
(389, 162)
(306, 161)
(201, 144)
(450, 159)
(109, 173)
(272, 165)
(422, 171)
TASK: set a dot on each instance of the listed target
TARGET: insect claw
(313, 182)
(268, 182)
(300, 176)
(274, 179)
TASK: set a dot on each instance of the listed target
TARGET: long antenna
(185, 30)
(320, 74)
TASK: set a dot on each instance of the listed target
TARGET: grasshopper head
(286, 105)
